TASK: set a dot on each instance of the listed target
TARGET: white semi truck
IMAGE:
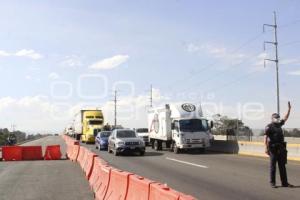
(179, 126)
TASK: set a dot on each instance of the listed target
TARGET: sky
(57, 57)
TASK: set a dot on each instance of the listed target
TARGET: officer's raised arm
(288, 112)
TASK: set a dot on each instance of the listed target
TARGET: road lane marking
(187, 163)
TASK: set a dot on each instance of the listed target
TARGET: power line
(222, 72)
(249, 41)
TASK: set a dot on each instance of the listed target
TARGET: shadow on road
(131, 154)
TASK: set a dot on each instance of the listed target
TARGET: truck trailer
(87, 124)
(179, 126)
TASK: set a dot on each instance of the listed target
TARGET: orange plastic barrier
(118, 185)
(52, 152)
(95, 173)
(186, 197)
(75, 152)
(10, 153)
(85, 158)
(88, 167)
(81, 155)
(32, 153)
(102, 183)
(159, 191)
(138, 188)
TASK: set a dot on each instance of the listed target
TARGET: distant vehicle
(125, 140)
(180, 126)
(102, 140)
(87, 125)
(69, 131)
(144, 134)
(11, 140)
(55, 134)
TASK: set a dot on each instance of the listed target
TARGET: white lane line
(187, 163)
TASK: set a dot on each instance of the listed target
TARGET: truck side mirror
(211, 124)
(173, 126)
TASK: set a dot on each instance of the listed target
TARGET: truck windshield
(142, 130)
(126, 134)
(193, 125)
(95, 122)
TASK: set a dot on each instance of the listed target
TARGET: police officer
(276, 148)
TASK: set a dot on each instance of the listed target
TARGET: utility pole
(151, 96)
(115, 102)
(276, 60)
(13, 126)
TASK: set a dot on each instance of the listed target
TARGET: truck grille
(194, 141)
(131, 143)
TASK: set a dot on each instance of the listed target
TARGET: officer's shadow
(294, 187)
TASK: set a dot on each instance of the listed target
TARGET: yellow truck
(87, 124)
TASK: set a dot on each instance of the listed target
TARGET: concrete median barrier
(251, 148)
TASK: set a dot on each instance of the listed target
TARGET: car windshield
(126, 134)
(193, 125)
(105, 134)
(142, 130)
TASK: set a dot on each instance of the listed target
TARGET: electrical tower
(115, 105)
(13, 128)
(276, 60)
(151, 96)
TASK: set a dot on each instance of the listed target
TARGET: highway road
(209, 176)
(47, 180)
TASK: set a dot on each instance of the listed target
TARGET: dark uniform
(277, 150)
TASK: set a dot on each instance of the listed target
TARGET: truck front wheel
(157, 145)
(176, 149)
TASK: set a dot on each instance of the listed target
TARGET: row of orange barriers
(19, 153)
(109, 183)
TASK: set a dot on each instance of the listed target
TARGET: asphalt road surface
(209, 176)
(43, 180)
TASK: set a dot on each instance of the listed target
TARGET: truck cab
(92, 123)
(190, 134)
(181, 126)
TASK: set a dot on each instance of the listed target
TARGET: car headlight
(121, 143)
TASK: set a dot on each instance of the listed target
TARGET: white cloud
(291, 61)
(4, 53)
(33, 113)
(259, 62)
(110, 63)
(28, 77)
(53, 76)
(219, 52)
(29, 53)
(71, 61)
(294, 73)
